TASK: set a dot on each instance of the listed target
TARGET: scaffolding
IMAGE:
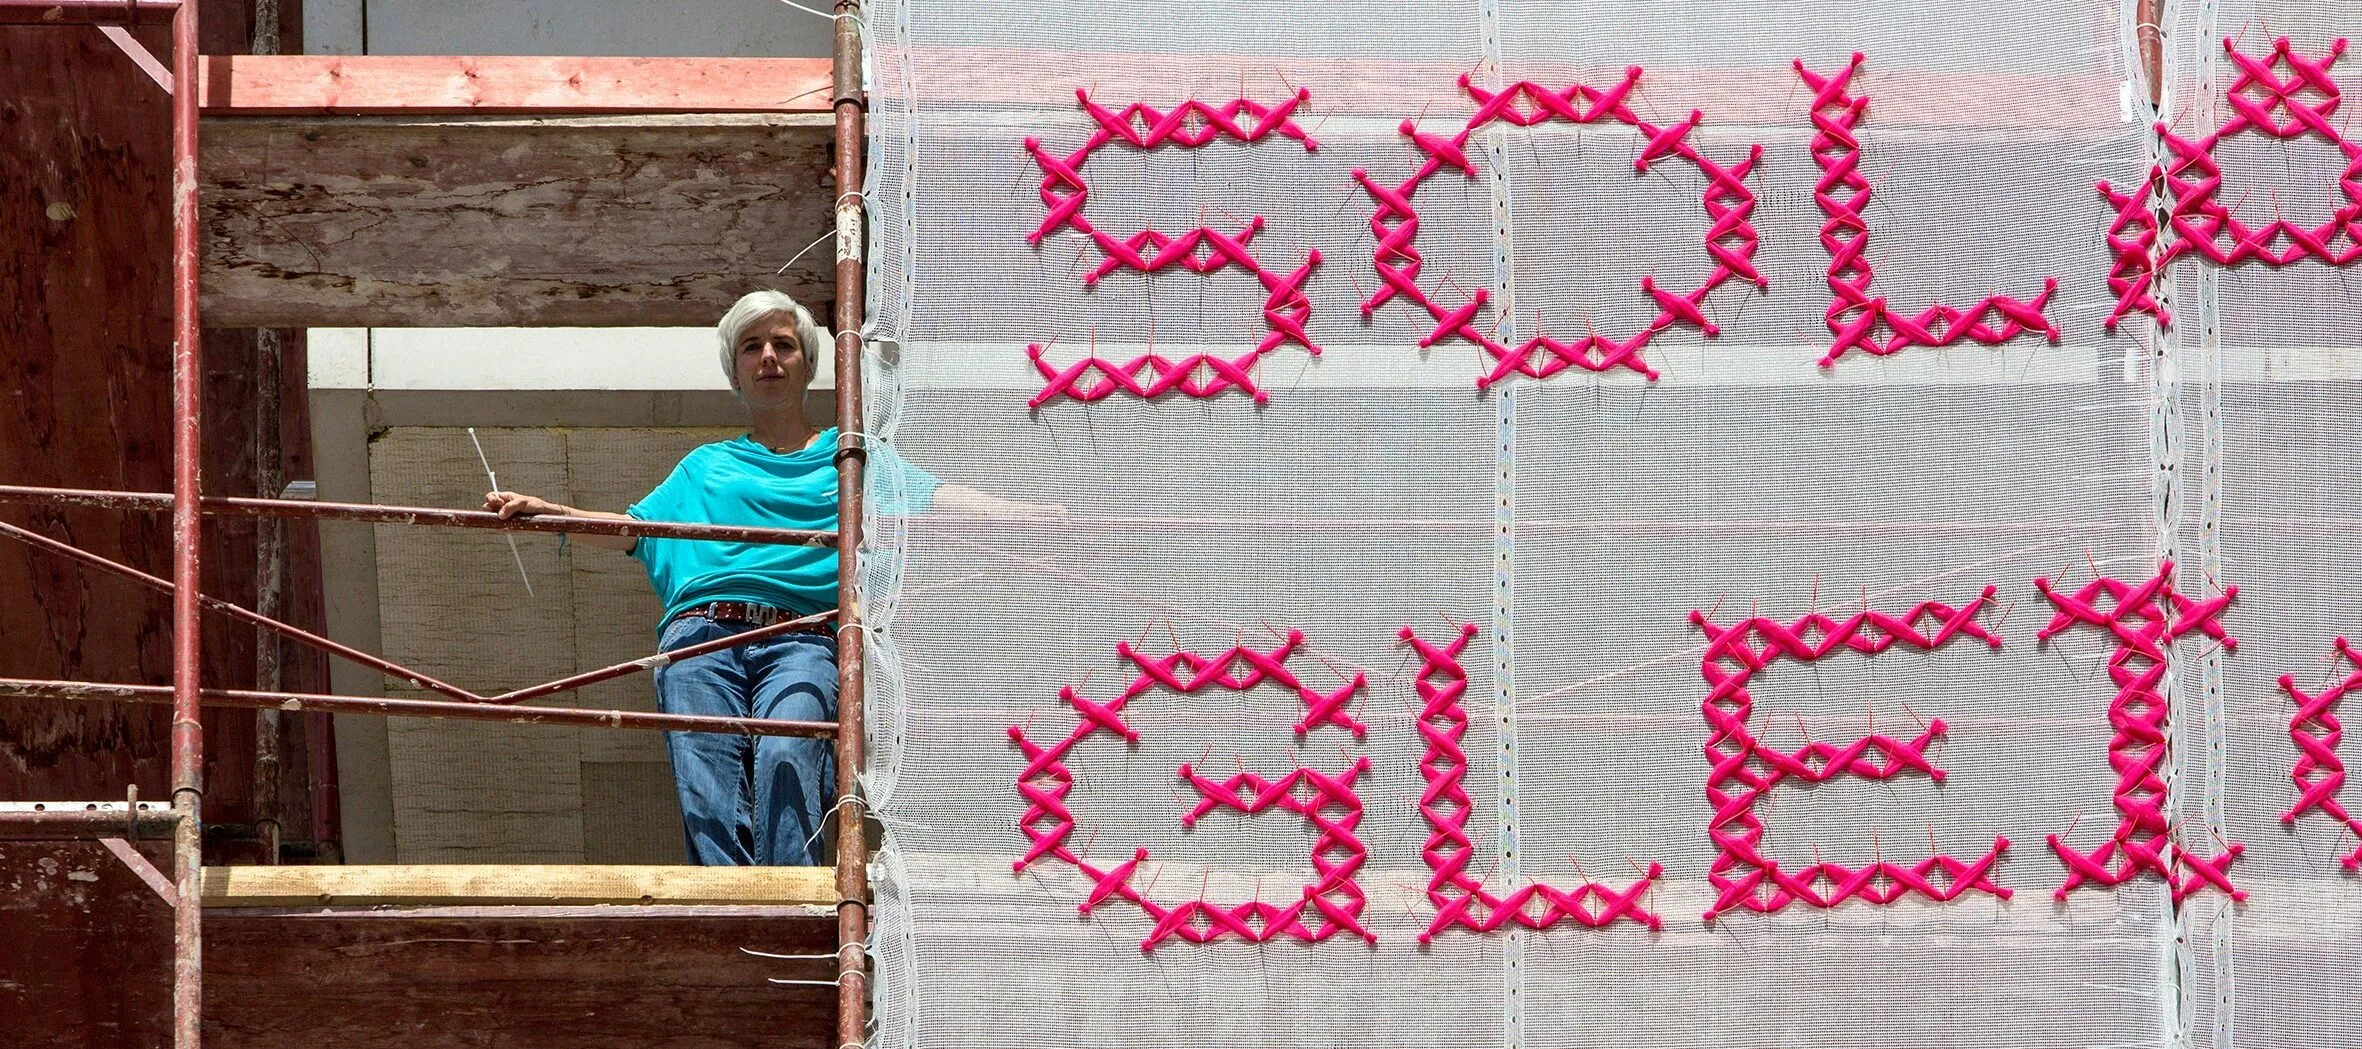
(117, 825)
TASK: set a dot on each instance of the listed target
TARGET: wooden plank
(442, 222)
(593, 978)
(490, 884)
(416, 85)
(85, 949)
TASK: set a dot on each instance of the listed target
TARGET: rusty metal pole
(270, 533)
(188, 739)
(341, 651)
(109, 692)
(427, 516)
(270, 585)
(852, 455)
(2148, 16)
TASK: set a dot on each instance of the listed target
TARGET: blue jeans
(751, 800)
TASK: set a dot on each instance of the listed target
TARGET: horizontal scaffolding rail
(396, 670)
(87, 12)
(102, 692)
(23, 822)
(433, 517)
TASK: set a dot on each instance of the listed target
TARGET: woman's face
(772, 367)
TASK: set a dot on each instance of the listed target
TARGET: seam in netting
(2320, 774)
(1730, 238)
(1460, 898)
(1854, 315)
(2143, 619)
(1329, 802)
(1742, 769)
(1202, 250)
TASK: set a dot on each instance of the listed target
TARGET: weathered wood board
(510, 221)
(517, 978)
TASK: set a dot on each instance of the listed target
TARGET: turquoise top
(740, 482)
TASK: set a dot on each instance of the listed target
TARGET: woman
(759, 800)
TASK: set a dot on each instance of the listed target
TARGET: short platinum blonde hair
(756, 306)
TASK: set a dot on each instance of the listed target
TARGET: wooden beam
(419, 85)
(497, 221)
(597, 978)
(491, 884)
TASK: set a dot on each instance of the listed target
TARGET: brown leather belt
(754, 615)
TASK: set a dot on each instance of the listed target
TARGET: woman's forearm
(517, 504)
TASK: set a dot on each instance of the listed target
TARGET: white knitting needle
(512, 536)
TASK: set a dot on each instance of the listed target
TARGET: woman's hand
(518, 504)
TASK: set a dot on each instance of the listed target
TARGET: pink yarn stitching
(2320, 774)
(2133, 274)
(1742, 769)
(1202, 250)
(1460, 899)
(2202, 224)
(2142, 619)
(1329, 802)
(1730, 239)
(2200, 218)
(1145, 376)
(1854, 316)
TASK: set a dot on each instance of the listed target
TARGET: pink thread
(1854, 316)
(1742, 769)
(1144, 376)
(2320, 774)
(1328, 802)
(2142, 619)
(2200, 219)
(2202, 224)
(2133, 274)
(1730, 238)
(1460, 899)
(1202, 250)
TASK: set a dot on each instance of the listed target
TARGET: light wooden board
(492, 884)
(252, 85)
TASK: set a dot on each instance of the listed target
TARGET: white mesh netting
(1577, 520)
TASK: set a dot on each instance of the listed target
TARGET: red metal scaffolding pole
(852, 453)
(295, 633)
(609, 673)
(438, 517)
(188, 738)
(103, 692)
